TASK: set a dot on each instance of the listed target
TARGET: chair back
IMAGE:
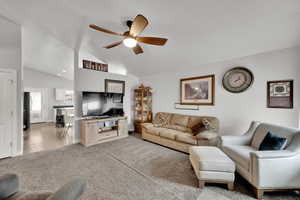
(263, 129)
(70, 191)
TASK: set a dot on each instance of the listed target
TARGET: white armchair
(266, 170)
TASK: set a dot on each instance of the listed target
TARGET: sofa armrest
(275, 169)
(207, 135)
(144, 125)
(272, 154)
(9, 185)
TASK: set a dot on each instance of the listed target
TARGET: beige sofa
(266, 170)
(181, 131)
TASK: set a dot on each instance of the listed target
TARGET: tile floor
(45, 136)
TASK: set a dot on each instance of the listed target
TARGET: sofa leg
(201, 184)
(259, 194)
(230, 186)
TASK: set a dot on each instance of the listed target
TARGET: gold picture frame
(198, 90)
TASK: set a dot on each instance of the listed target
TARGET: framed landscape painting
(280, 94)
(198, 90)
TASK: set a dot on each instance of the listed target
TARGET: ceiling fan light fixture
(130, 42)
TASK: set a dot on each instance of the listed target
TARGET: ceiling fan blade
(137, 49)
(113, 44)
(93, 26)
(138, 25)
(152, 40)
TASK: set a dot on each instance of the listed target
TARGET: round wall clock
(238, 79)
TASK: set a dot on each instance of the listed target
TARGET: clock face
(237, 79)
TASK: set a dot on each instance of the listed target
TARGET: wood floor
(45, 136)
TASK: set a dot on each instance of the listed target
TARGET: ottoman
(212, 165)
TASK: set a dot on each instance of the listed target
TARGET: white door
(36, 108)
(7, 88)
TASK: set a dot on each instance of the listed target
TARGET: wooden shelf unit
(95, 131)
(143, 107)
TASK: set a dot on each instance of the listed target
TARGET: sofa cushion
(212, 159)
(186, 138)
(151, 129)
(239, 154)
(262, 130)
(179, 128)
(169, 133)
(180, 120)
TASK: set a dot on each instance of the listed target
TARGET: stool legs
(230, 186)
(201, 184)
(259, 194)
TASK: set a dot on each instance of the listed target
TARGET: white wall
(37, 79)
(34, 79)
(11, 58)
(235, 111)
(89, 80)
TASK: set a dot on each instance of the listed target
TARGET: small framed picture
(98, 66)
(114, 86)
(280, 94)
(105, 67)
(93, 65)
(197, 90)
(86, 64)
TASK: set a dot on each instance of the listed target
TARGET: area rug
(127, 169)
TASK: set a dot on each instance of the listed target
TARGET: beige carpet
(126, 169)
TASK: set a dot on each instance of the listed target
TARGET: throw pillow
(161, 120)
(197, 128)
(180, 120)
(208, 125)
(195, 124)
(272, 142)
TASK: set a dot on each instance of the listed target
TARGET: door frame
(15, 132)
(43, 96)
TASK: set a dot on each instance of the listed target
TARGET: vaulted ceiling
(199, 31)
(8, 34)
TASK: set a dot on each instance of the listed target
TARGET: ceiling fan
(131, 38)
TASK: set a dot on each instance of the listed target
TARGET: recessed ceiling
(199, 31)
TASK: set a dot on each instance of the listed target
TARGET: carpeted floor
(127, 169)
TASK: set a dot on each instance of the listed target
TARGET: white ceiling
(45, 53)
(199, 31)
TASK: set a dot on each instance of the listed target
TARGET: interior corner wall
(37, 79)
(93, 81)
(235, 111)
(34, 79)
(11, 58)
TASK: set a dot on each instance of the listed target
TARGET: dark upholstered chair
(9, 190)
